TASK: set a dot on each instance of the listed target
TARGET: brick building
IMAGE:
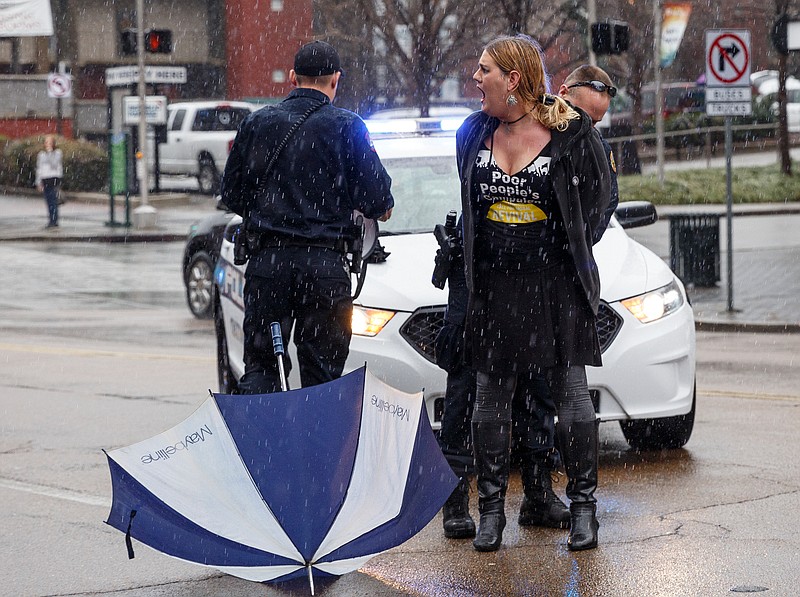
(234, 49)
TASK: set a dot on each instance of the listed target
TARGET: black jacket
(327, 169)
(581, 183)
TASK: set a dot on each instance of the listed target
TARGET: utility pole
(145, 215)
(591, 18)
(659, 91)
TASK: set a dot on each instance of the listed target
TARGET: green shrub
(85, 164)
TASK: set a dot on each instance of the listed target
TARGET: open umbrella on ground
(274, 486)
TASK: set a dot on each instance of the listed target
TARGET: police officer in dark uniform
(298, 220)
(590, 88)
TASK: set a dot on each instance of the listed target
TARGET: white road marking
(54, 492)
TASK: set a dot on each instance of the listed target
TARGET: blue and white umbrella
(274, 486)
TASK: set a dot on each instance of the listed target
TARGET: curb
(747, 326)
(136, 237)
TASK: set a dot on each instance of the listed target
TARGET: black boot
(540, 507)
(579, 450)
(457, 522)
(492, 444)
(584, 525)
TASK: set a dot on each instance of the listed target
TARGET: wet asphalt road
(97, 350)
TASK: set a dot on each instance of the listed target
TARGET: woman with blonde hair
(534, 186)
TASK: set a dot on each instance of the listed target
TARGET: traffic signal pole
(659, 92)
(144, 216)
(591, 14)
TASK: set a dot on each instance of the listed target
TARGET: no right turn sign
(728, 72)
(727, 57)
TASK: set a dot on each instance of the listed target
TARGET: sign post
(59, 86)
(728, 94)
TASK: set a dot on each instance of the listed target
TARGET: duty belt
(257, 241)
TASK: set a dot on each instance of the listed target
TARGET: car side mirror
(633, 214)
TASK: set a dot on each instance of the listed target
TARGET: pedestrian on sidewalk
(49, 172)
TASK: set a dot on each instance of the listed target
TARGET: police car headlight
(655, 305)
(369, 322)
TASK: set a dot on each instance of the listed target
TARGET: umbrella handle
(277, 348)
(277, 338)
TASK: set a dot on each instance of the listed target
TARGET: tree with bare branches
(408, 47)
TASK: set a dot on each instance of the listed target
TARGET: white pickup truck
(199, 138)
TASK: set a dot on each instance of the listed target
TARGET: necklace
(508, 123)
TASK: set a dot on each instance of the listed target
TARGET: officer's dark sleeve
(369, 183)
(231, 190)
(596, 193)
(612, 206)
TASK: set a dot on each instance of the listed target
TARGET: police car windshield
(424, 189)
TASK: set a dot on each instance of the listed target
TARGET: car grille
(421, 328)
(608, 325)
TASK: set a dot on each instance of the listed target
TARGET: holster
(241, 250)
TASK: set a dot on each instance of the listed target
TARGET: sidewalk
(86, 217)
(766, 264)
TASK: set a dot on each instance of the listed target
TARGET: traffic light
(158, 41)
(128, 43)
(619, 37)
(778, 34)
(610, 38)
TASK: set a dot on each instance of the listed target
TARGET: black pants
(534, 411)
(51, 187)
(305, 288)
(568, 387)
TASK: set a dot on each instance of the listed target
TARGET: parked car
(678, 97)
(645, 325)
(199, 259)
(767, 89)
(199, 138)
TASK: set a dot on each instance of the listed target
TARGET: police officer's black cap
(317, 59)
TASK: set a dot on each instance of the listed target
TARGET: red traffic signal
(158, 41)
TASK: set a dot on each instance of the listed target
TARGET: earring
(511, 100)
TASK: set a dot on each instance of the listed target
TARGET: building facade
(232, 49)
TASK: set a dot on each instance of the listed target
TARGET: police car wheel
(199, 285)
(660, 434)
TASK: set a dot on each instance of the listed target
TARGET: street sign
(129, 75)
(729, 109)
(729, 94)
(727, 59)
(155, 109)
(59, 86)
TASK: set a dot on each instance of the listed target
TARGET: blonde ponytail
(553, 112)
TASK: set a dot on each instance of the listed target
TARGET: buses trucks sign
(728, 72)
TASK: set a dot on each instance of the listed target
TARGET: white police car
(646, 325)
